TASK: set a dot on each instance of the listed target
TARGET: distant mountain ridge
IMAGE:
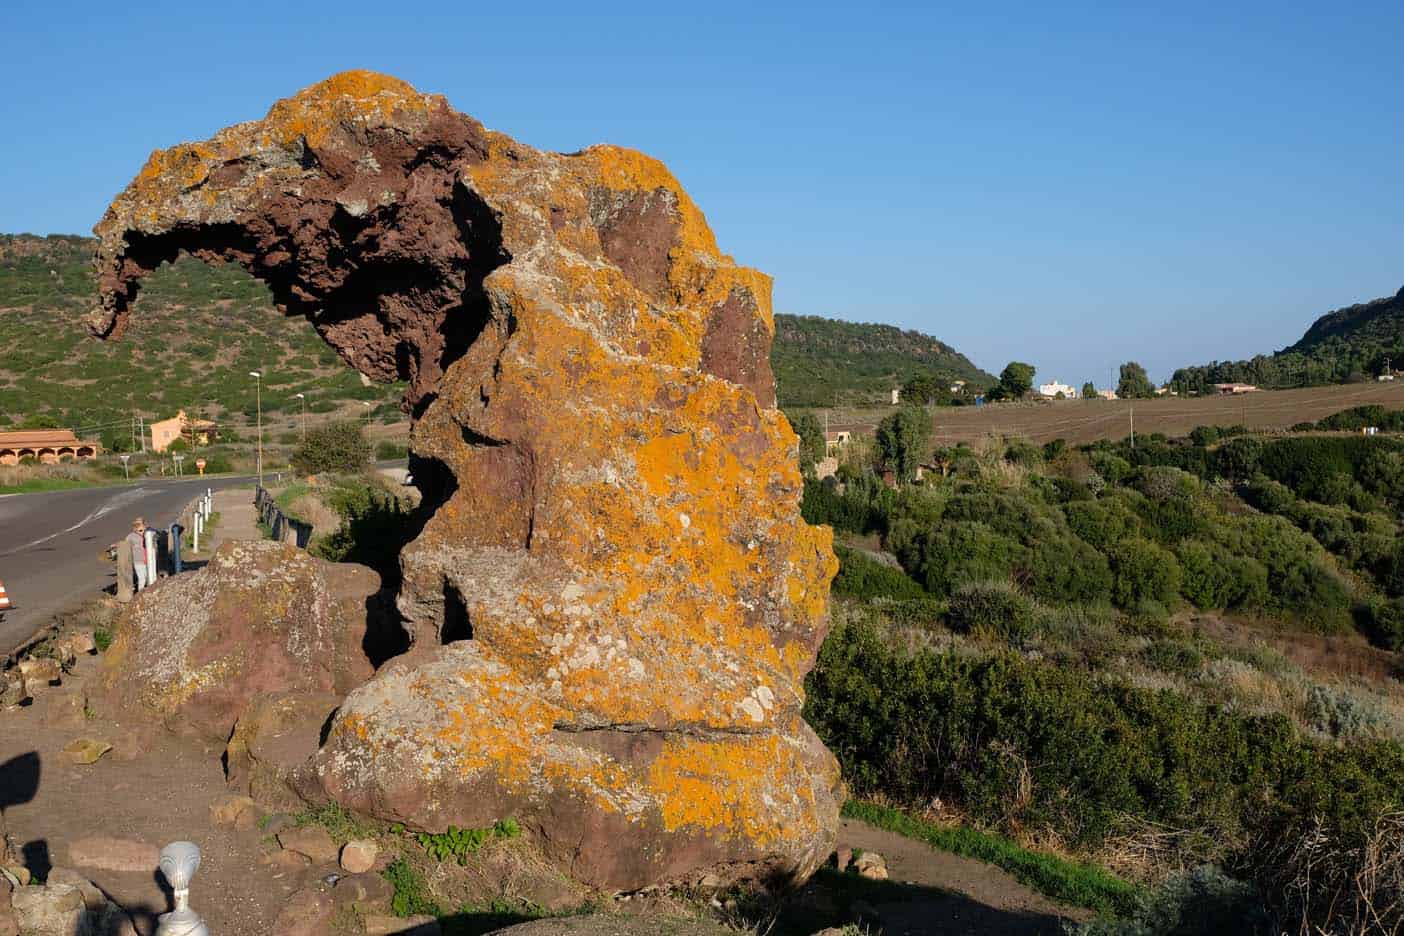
(819, 361)
(1351, 343)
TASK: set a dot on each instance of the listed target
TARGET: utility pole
(258, 410)
(1133, 426)
(303, 398)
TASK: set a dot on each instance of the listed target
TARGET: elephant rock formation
(614, 600)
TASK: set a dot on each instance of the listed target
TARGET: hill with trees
(181, 351)
(197, 332)
(1354, 343)
(820, 361)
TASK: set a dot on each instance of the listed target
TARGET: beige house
(195, 431)
(45, 446)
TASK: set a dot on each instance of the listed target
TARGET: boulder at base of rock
(269, 755)
(612, 549)
(259, 617)
(51, 910)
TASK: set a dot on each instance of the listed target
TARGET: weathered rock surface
(614, 600)
(260, 617)
(269, 754)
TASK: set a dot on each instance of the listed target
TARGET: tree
(926, 388)
(901, 441)
(337, 446)
(1134, 384)
(1089, 391)
(811, 436)
(1016, 380)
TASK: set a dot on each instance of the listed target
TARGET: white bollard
(195, 527)
(179, 862)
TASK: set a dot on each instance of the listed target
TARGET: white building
(896, 395)
(1054, 388)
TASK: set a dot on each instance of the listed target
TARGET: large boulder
(613, 599)
(260, 617)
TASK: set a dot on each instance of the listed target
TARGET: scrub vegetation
(1178, 660)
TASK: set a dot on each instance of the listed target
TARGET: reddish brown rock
(307, 912)
(612, 551)
(113, 854)
(269, 754)
(313, 841)
(260, 617)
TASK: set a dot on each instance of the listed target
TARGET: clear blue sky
(1064, 183)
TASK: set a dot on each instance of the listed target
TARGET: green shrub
(1339, 713)
(334, 447)
(1204, 435)
(1173, 656)
(375, 525)
(991, 608)
(957, 552)
(1203, 902)
(1239, 458)
(412, 896)
(457, 844)
(863, 577)
(1024, 745)
(1143, 571)
(1101, 523)
(1383, 622)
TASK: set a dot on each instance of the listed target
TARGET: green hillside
(819, 361)
(1353, 343)
(199, 329)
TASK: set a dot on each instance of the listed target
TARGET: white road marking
(125, 497)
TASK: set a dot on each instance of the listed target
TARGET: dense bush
(860, 576)
(1143, 571)
(994, 608)
(1202, 902)
(375, 526)
(955, 552)
(1383, 623)
(1027, 746)
(334, 447)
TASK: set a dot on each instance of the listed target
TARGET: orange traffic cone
(4, 598)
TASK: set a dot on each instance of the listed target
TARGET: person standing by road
(126, 568)
(141, 556)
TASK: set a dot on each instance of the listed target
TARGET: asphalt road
(52, 544)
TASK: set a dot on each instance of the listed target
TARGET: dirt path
(944, 893)
(149, 790)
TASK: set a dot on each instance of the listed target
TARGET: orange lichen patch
(722, 786)
(313, 113)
